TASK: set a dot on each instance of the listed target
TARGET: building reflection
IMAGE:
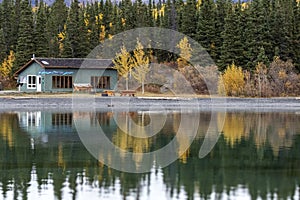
(258, 151)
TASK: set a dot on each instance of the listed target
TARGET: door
(39, 84)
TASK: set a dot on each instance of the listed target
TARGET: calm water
(257, 156)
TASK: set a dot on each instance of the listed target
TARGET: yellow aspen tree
(199, 2)
(102, 33)
(123, 64)
(123, 21)
(141, 65)
(233, 80)
(185, 52)
(61, 37)
(6, 66)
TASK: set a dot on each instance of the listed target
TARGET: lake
(47, 154)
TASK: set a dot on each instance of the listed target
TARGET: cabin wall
(48, 75)
(84, 76)
(32, 69)
(78, 76)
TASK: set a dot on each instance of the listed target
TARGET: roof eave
(26, 65)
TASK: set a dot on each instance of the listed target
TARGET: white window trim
(29, 85)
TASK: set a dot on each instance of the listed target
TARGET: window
(62, 119)
(101, 82)
(62, 81)
(31, 82)
(103, 119)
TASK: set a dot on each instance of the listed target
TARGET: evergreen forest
(238, 33)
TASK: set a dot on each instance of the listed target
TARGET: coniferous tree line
(232, 32)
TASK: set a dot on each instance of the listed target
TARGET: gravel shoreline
(148, 103)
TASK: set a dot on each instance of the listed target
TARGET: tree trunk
(143, 88)
(127, 83)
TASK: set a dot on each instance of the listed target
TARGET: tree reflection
(258, 151)
(275, 129)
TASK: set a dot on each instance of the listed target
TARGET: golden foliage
(61, 37)
(185, 52)
(99, 18)
(159, 12)
(162, 10)
(155, 13)
(123, 62)
(110, 36)
(86, 22)
(123, 20)
(233, 81)
(102, 33)
(245, 6)
(199, 2)
(34, 9)
(141, 64)
(6, 66)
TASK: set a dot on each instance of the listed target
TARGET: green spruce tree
(262, 57)
(221, 11)
(281, 27)
(295, 39)
(41, 43)
(71, 44)
(189, 19)
(232, 48)
(206, 29)
(55, 25)
(15, 23)
(25, 47)
(2, 46)
(257, 33)
(84, 46)
(6, 24)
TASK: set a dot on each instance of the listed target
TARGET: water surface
(257, 156)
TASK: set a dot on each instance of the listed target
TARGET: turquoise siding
(47, 77)
(78, 76)
(84, 76)
(33, 69)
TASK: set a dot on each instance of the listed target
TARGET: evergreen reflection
(257, 151)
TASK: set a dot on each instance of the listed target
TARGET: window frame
(31, 85)
(62, 82)
(100, 82)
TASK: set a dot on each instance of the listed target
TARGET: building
(62, 74)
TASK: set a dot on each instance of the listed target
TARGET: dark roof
(70, 63)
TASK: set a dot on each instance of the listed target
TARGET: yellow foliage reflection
(274, 129)
(123, 138)
(6, 128)
(234, 127)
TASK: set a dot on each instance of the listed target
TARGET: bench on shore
(109, 92)
(82, 87)
(128, 92)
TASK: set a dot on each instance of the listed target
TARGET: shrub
(283, 78)
(232, 80)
